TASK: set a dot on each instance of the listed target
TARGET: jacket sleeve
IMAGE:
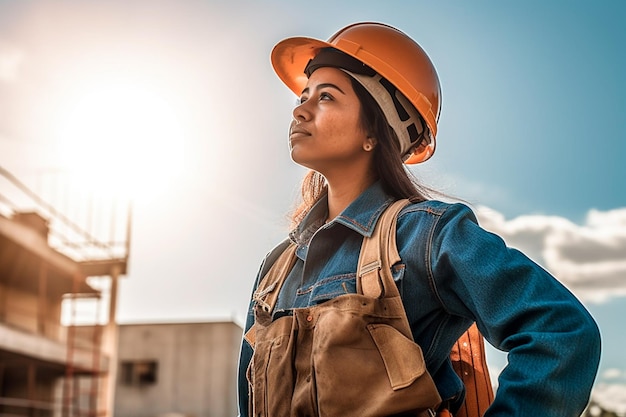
(245, 355)
(552, 341)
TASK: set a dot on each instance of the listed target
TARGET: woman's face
(327, 132)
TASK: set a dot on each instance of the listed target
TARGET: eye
(325, 96)
(301, 100)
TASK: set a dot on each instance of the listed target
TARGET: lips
(298, 132)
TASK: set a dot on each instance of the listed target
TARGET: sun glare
(120, 138)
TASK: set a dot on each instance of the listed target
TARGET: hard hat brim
(290, 56)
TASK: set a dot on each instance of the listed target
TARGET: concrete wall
(196, 369)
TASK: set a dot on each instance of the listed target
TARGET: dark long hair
(393, 174)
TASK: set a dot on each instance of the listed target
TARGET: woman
(369, 102)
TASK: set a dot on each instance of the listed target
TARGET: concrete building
(177, 369)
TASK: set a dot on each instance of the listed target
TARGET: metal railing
(81, 224)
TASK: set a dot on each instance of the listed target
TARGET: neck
(344, 189)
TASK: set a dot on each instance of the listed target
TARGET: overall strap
(266, 294)
(374, 279)
(273, 255)
(378, 254)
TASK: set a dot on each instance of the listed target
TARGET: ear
(369, 144)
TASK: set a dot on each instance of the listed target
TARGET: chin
(303, 162)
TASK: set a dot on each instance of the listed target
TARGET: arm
(245, 355)
(553, 343)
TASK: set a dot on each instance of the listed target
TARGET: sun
(120, 137)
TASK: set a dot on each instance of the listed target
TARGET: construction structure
(55, 360)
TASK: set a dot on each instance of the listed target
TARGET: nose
(301, 113)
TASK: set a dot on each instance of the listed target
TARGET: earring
(368, 147)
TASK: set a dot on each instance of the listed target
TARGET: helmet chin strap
(401, 115)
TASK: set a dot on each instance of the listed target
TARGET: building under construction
(55, 360)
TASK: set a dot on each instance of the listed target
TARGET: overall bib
(350, 356)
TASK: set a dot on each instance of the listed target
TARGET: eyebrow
(324, 85)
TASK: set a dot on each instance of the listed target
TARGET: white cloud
(10, 60)
(612, 373)
(611, 397)
(590, 258)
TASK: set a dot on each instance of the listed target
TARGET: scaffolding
(56, 254)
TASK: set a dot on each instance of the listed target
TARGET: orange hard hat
(388, 51)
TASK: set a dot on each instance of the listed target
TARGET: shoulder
(433, 221)
(436, 210)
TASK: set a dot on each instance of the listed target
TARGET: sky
(175, 104)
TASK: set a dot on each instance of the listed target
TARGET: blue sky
(181, 97)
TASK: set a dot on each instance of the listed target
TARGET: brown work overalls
(350, 356)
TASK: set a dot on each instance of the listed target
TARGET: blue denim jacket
(453, 273)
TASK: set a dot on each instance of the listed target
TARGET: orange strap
(469, 362)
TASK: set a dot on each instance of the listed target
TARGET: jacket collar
(361, 215)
